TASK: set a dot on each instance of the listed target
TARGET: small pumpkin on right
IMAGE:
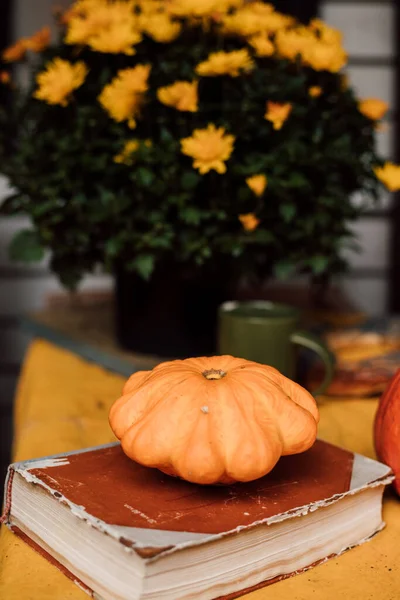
(387, 428)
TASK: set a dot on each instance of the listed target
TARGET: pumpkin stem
(214, 374)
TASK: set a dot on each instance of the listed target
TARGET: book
(366, 359)
(123, 531)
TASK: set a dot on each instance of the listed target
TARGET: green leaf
(26, 246)
(144, 265)
(284, 268)
(189, 180)
(144, 176)
(112, 247)
(191, 215)
(166, 135)
(155, 216)
(298, 180)
(263, 236)
(43, 208)
(107, 197)
(237, 251)
(162, 240)
(287, 211)
(327, 201)
(318, 264)
(179, 199)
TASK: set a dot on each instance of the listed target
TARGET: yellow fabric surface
(62, 404)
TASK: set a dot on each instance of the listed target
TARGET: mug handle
(313, 342)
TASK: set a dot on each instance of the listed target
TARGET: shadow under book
(123, 531)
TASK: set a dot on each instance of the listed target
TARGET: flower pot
(174, 315)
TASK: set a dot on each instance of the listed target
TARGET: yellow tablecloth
(62, 404)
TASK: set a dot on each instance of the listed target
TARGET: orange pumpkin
(387, 428)
(213, 420)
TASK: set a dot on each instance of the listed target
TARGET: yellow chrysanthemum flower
(322, 56)
(80, 30)
(262, 45)
(80, 8)
(209, 148)
(83, 6)
(87, 17)
(151, 7)
(59, 80)
(277, 113)
(248, 22)
(181, 95)
(315, 91)
(226, 63)
(64, 16)
(257, 184)
(39, 41)
(389, 175)
(118, 38)
(292, 43)
(110, 27)
(373, 108)
(15, 52)
(260, 8)
(249, 221)
(243, 23)
(201, 8)
(126, 156)
(161, 28)
(123, 97)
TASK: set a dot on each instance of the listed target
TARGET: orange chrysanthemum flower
(59, 80)
(257, 184)
(15, 52)
(249, 221)
(210, 148)
(226, 63)
(389, 175)
(373, 108)
(39, 41)
(123, 97)
(181, 95)
(277, 113)
(262, 45)
(315, 91)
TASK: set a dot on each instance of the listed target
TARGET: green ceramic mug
(266, 332)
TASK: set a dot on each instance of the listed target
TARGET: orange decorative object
(213, 420)
(387, 428)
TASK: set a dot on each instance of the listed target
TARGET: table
(62, 404)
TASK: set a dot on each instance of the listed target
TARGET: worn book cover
(154, 515)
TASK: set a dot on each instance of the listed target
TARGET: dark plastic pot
(172, 315)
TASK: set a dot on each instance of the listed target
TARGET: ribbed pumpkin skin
(207, 431)
(387, 429)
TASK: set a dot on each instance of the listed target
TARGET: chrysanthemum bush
(190, 132)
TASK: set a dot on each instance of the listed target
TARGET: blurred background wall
(369, 33)
(369, 30)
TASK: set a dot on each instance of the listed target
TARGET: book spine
(4, 519)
